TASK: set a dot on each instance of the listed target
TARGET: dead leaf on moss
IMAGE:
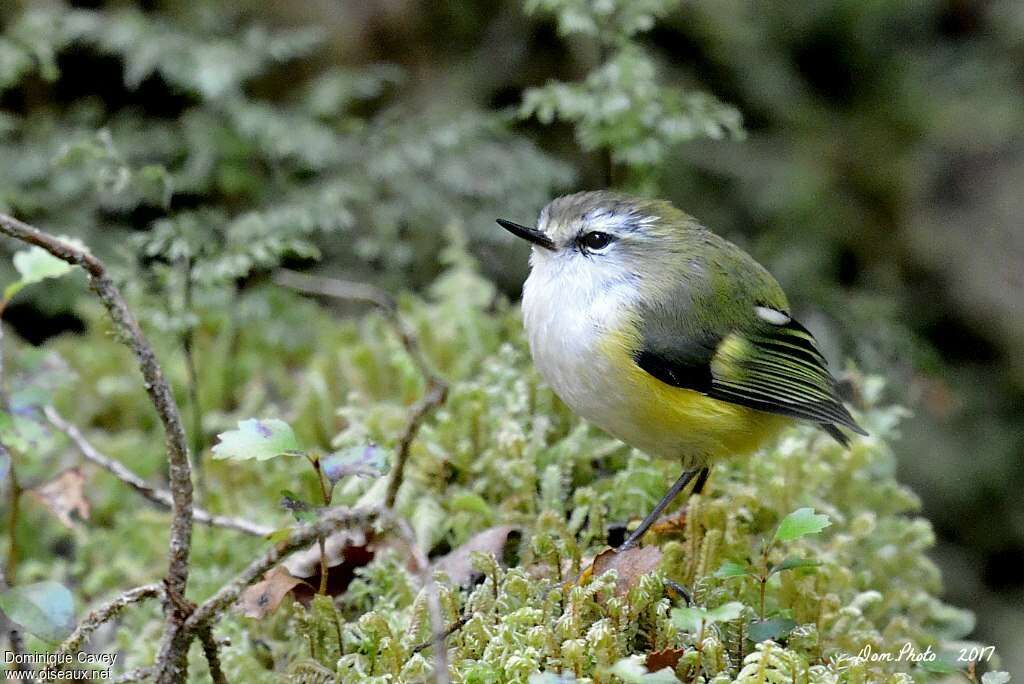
(666, 657)
(631, 565)
(263, 598)
(458, 564)
(64, 495)
(346, 551)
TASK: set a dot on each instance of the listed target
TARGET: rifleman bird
(668, 336)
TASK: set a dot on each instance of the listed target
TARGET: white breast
(566, 313)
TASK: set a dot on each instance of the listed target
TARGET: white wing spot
(771, 315)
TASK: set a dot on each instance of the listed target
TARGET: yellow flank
(703, 429)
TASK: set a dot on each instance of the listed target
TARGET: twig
(437, 389)
(436, 394)
(161, 497)
(139, 674)
(192, 373)
(207, 613)
(452, 629)
(360, 292)
(334, 519)
(171, 662)
(13, 509)
(210, 650)
(14, 639)
(104, 613)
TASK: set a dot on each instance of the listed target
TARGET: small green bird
(667, 336)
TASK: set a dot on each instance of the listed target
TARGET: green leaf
(732, 569)
(996, 677)
(774, 629)
(260, 439)
(45, 609)
(799, 523)
(792, 562)
(632, 671)
(362, 461)
(689, 619)
(36, 264)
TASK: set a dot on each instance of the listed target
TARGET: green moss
(504, 450)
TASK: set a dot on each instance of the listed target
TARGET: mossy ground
(501, 450)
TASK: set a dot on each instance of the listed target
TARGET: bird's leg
(702, 476)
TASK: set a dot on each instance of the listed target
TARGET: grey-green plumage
(725, 330)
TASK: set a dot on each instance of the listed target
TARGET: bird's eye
(596, 240)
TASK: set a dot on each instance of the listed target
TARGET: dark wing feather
(761, 365)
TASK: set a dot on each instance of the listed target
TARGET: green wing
(779, 369)
(775, 368)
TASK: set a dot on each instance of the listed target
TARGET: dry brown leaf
(631, 565)
(667, 657)
(64, 495)
(306, 563)
(458, 563)
(346, 551)
(263, 598)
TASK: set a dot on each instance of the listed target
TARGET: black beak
(531, 234)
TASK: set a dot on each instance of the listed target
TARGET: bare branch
(14, 639)
(104, 613)
(161, 497)
(368, 294)
(435, 396)
(174, 648)
(139, 674)
(339, 289)
(334, 519)
(210, 650)
(437, 389)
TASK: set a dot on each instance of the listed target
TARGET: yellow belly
(674, 422)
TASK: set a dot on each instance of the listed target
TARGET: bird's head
(605, 236)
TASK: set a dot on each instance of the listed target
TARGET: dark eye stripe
(595, 240)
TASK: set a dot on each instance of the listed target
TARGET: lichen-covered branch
(174, 647)
(437, 388)
(104, 613)
(212, 653)
(161, 497)
(207, 613)
(139, 674)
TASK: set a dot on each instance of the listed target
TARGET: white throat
(569, 305)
